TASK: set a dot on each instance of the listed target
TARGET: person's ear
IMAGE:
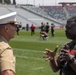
(6, 28)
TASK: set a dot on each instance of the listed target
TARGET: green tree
(6, 1)
(14, 2)
(0, 1)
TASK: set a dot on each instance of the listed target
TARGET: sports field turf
(29, 52)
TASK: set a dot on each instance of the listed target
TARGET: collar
(1, 37)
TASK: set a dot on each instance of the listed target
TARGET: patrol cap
(8, 19)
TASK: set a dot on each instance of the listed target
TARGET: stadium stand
(41, 12)
(30, 14)
(71, 10)
(55, 12)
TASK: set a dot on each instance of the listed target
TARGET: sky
(42, 2)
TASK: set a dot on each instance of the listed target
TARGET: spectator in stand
(32, 29)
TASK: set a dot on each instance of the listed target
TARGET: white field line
(38, 68)
(21, 56)
(24, 50)
(25, 57)
(28, 50)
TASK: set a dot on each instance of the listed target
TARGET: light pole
(27, 2)
(42, 2)
(55, 2)
(34, 2)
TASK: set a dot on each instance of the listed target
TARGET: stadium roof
(67, 3)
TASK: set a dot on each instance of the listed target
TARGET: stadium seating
(56, 12)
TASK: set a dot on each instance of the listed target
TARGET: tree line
(7, 1)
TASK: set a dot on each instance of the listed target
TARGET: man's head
(8, 25)
(71, 28)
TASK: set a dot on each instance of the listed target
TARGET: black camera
(19, 26)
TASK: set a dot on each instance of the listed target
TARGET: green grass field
(29, 52)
